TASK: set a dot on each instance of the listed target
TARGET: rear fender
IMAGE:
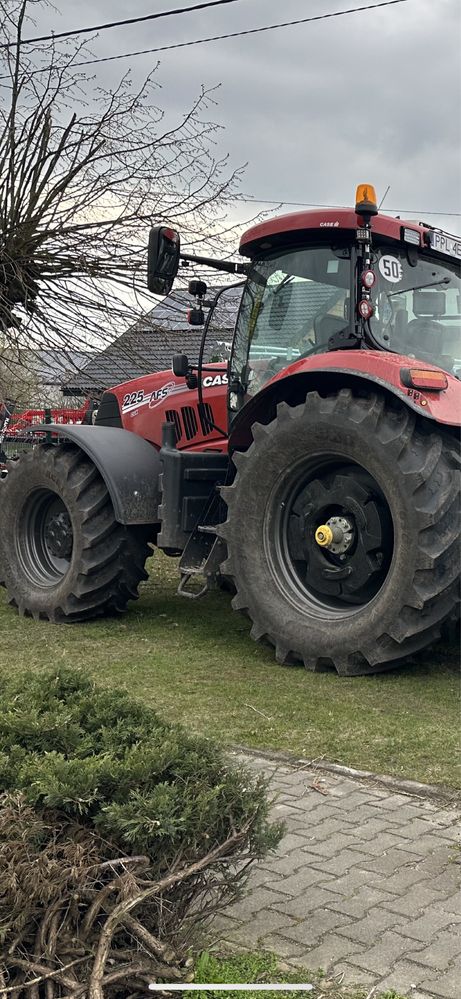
(127, 463)
(294, 383)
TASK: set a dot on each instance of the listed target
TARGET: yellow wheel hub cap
(324, 535)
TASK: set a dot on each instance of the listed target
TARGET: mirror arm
(219, 265)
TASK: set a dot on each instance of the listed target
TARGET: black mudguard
(127, 463)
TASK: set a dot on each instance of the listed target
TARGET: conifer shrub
(119, 834)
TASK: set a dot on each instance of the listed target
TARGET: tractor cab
(296, 303)
(302, 296)
(320, 282)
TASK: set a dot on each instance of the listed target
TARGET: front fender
(127, 463)
(347, 369)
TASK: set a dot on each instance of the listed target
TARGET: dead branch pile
(119, 835)
(75, 923)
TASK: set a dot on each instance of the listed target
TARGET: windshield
(292, 304)
(418, 307)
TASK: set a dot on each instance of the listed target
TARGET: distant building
(149, 344)
(55, 367)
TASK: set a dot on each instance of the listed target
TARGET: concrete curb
(437, 792)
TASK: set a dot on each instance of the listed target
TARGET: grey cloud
(317, 108)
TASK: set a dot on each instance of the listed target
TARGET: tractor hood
(145, 403)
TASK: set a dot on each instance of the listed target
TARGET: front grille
(205, 413)
(172, 416)
(190, 421)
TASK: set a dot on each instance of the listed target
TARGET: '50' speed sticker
(391, 269)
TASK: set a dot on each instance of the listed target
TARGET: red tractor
(318, 471)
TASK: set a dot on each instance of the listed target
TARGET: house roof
(149, 344)
(51, 366)
(47, 366)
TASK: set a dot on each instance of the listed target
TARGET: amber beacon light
(365, 200)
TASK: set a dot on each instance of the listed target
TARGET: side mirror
(182, 369)
(180, 365)
(196, 317)
(197, 288)
(162, 259)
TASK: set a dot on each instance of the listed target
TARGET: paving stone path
(366, 881)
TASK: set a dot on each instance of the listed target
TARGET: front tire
(386, 485)
(63, 555)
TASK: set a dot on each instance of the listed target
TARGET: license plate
(444, 243)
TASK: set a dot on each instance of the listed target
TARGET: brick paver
(366, 882)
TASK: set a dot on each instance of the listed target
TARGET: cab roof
(324, 220)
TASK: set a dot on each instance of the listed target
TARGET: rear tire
(63, 555)
(363, 461)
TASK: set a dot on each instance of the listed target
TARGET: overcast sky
(313, 109)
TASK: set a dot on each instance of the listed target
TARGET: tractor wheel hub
(336, 535)
(58, 535)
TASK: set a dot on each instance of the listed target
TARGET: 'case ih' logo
(209, 381)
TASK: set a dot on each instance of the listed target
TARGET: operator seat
(424, 331)
(326, 327)
(400, 327)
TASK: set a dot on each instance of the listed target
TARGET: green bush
(111, 817)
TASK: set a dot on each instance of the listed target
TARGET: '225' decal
(132, 399)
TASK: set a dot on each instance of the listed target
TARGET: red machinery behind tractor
(22, 424)
(318, 471)
(18, 429)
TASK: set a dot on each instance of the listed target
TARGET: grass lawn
(264, 967)
(195, 663)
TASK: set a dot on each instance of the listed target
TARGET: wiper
(419, 287)
(283, 284)
(287, 280)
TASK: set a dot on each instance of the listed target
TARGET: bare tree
(84, 172)
(18, 381)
